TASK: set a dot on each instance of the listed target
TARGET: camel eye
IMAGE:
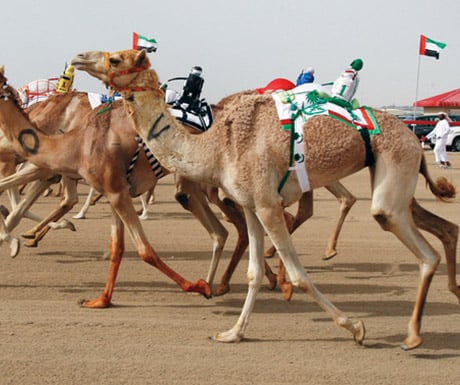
(130, 98)
(114, 61)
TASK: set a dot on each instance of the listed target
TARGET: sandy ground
(156, 334)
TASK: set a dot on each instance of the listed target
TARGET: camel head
(114, 69)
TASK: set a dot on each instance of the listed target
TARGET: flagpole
(416, 87)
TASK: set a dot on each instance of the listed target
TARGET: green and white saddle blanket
(296, 106)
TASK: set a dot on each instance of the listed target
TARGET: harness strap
(370, 160)
(154, 164)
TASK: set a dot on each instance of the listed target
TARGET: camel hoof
(221, 290)
(287, 290)
(229, 336)
(28, 235)
(14, 247)
(94, 304)
(145, 216)
(65, 224)
(411, 343)
(360, 332)
(80, 215)
(329, 255)
(31, 243)
(202, 287)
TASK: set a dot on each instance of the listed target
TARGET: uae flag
(429, 47)
(142, 42)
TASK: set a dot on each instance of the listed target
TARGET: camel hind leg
(393, 210)
(304, 212)
(346, 200)
(447, 232)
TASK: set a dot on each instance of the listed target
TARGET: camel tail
(442, 188)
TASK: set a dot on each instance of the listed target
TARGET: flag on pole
(142, 42)
(429, 47)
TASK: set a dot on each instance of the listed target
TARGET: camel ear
(2, 70)
(142, 59)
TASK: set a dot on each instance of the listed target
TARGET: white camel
(247, 154)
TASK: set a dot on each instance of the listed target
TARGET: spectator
(439, 133)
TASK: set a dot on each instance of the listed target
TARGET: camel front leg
(123, 205)
(255, 276)
(304, 212)
(275, 226)
(117, 249)
(67, 203)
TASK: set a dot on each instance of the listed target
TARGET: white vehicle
(453, 139)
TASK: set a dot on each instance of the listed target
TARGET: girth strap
(367, 143)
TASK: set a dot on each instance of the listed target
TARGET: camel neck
(18, 129)
(177, 149)
(30, 143)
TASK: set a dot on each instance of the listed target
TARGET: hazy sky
(243, 44)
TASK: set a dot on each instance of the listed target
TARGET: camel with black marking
(247, 154)
(99, 154)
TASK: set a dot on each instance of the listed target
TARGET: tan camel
(247, 155)
(99, 158)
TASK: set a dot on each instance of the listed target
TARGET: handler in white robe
(439, 133)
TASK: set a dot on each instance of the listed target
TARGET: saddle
(198, 115)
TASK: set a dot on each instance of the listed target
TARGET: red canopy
(447, 99)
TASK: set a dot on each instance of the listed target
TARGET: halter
(112, 74)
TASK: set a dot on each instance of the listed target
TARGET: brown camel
(247, 154)
(9, 159)
(100, 158)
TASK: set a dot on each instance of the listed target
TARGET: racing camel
(247, 155)
(98, 154)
